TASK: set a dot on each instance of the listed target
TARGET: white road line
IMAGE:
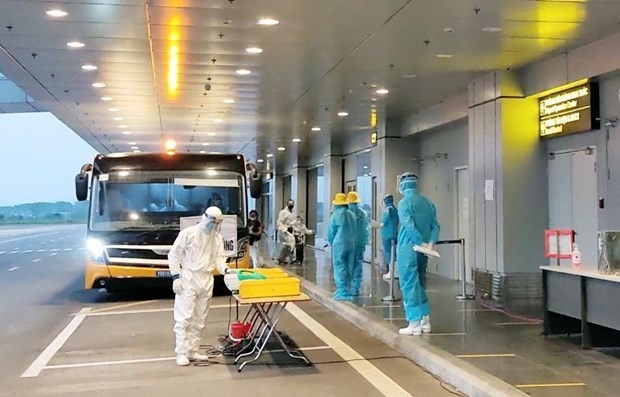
(168, 309)
(446, 334)
(519, 323)
(27, 237)
(372, 374)
(37, 366)
(153, 360)
(12, 269)
(102, 363)
(36, 260)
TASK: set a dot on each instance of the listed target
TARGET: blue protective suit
(362, 234)
(341, 236)
(389, 231)
(418, 220)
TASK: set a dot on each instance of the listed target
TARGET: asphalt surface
(123, 344)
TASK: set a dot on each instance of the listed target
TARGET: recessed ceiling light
(135, 147)
(89, 67)
(211, 133)
(99, 85)
(202, 152)
(343, 114)
(365, 167)
(492, 29)
(296, 140)
(112, 110)
(126, 132)
(136, 151)
(218, 121)
(269, 155)
(382, 91)
(117, 118)
(316, 129)
(373, 99)
(75, 44)
(254, 50)
(228, 101)
(107, 98)
(206, 144)
(260, 161)
(410, 76)
(281, 148)
(243, 72)
(132, 143)
(444, 55)
(268, 21)
(448, 29)
(122, 126)
(57, 13)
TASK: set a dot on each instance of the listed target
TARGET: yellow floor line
(485, 355)
(106, 309)
(550, 385)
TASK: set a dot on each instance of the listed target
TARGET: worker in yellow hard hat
(341, 237)
(362, 234)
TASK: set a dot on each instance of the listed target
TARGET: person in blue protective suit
(361, 240)
(418, 226)
(389, 232)
(341, 236)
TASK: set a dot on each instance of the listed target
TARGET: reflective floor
(504, 344)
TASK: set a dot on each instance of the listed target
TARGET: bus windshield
(150, 200)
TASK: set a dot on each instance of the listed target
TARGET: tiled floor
(504, 344)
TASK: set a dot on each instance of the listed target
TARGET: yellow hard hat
(353, 198)
(340, 199)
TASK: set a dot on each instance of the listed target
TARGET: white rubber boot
(197, 357)
(426, 324)
(414, 328)
(182, 360)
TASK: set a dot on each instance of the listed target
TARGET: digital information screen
(570, 111)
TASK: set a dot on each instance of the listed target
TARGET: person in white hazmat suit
(196, 253)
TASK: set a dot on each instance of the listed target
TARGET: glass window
(157, 199)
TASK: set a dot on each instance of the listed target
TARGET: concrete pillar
(332, 173)
(507, 187)
(299, 184)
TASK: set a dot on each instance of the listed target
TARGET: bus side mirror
(81, 187)
(81, 183)
(255, 185)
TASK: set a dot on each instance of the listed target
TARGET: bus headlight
(96, 249)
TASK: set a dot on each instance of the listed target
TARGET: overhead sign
(373, 138)
(228, 231)
(570, 111)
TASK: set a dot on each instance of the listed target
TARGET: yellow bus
(138, 202)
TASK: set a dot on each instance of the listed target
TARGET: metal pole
(391, 297)
(463, 296)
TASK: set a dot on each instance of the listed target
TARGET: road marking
(27, 237)
(395, 318)
(102, 363)
(519, 323)
(105, 309)
(372, 374)
(446, 334)
(36, 260)
(498, 355)
(37, 366)
(477, 310)
(13, 269)
(168, 309)
(551, 385)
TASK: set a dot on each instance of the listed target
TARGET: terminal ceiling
(157, 59)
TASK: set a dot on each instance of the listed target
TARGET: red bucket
(239, 331)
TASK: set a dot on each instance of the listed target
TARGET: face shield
(407, 181)
(211, 220)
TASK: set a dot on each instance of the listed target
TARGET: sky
(39, 158)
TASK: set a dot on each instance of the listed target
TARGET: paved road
(41, 290)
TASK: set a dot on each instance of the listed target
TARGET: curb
(465, 377)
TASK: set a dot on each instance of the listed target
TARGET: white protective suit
(286, 221)
(195, 254)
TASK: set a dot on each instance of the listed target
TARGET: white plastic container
(576, 257)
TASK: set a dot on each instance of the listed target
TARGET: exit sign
(373, 138)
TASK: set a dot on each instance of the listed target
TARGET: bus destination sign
(570, 111)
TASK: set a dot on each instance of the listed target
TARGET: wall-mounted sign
(570, 111)
(373, 138)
